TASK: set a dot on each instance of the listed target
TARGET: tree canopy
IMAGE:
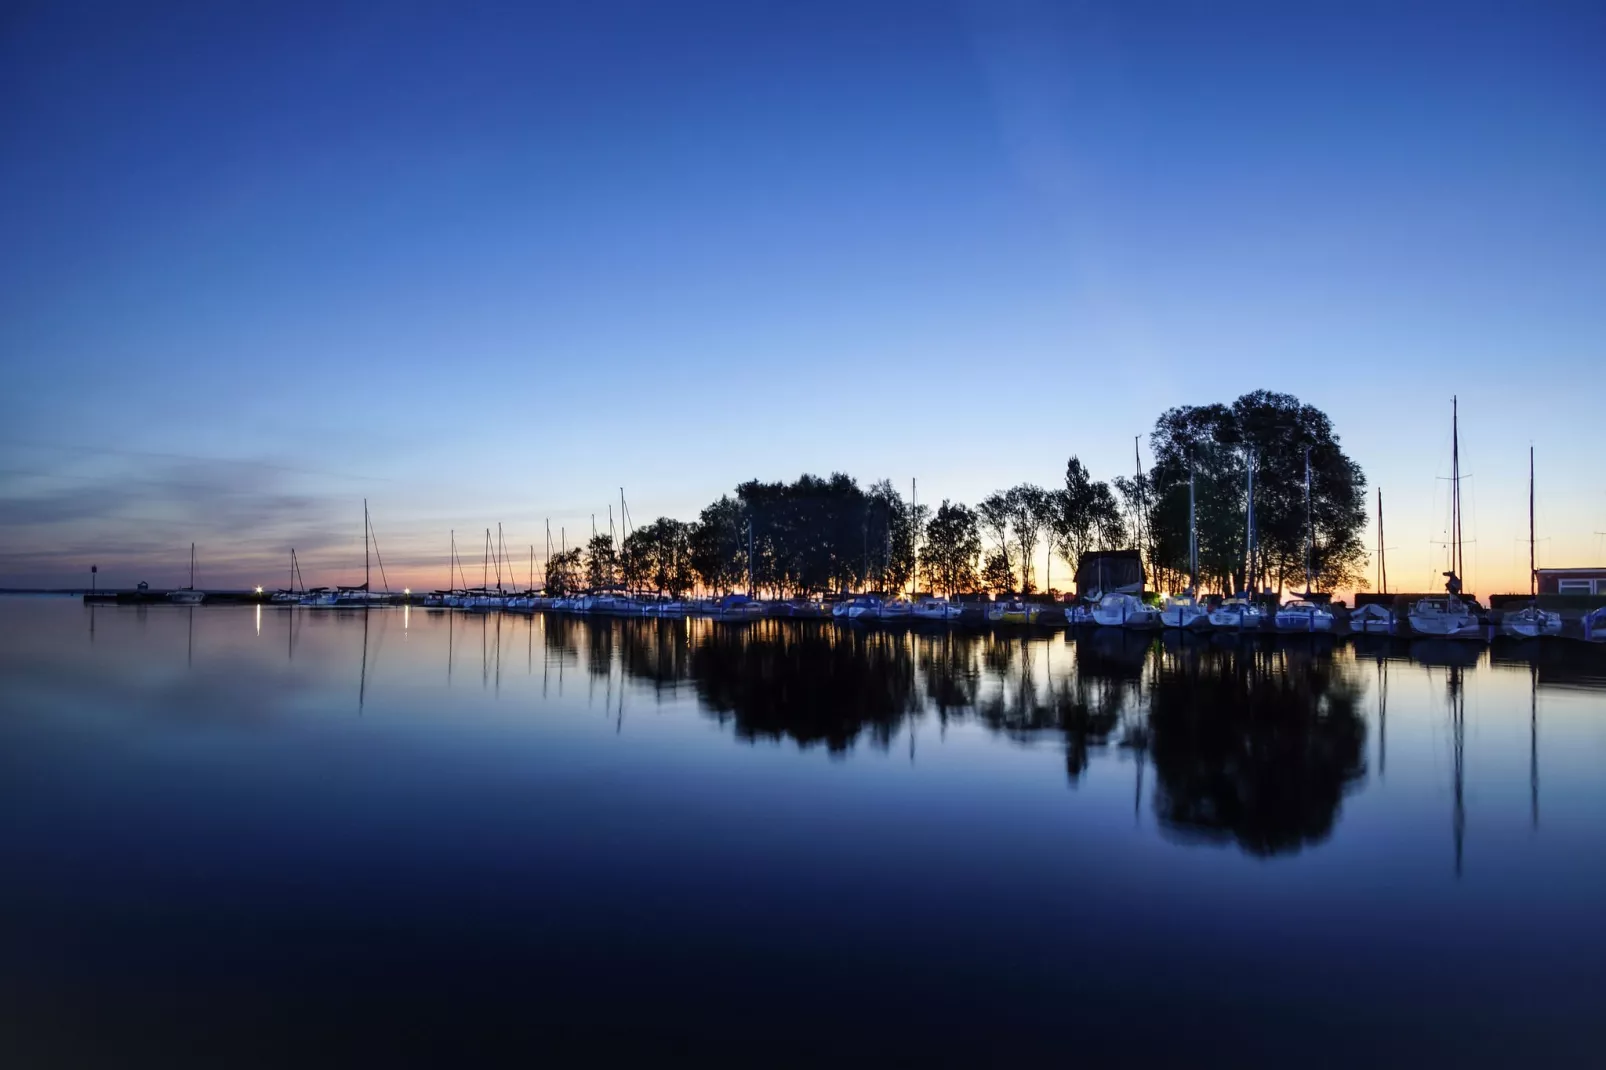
(830, 535)
(1218, 444)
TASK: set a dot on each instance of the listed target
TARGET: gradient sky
(492, 266)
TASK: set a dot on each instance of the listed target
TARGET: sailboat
(1531, 622)
(289, 595)
(1449, 616)
(937, 609)
(1243, 613)
(1124, 609)
(188, 596)
(1303, 614)
(1183, 611)
(1374, 619)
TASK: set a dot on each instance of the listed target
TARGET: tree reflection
(655, 651)
(948, 672)
(805, 681)
(1256, 745)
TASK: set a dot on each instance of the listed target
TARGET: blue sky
(491, 266)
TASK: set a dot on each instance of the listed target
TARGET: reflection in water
(489, 862)
(810, 682)
(1533, 744)
(1255, 740)
(1457, 694)
(1256, 744)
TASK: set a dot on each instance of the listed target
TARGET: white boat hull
(1184, 617)
(1304, 622)
(1227, 620)
(1531, 624)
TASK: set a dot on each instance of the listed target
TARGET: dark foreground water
(232, 836)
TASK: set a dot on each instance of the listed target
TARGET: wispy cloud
(135, 516)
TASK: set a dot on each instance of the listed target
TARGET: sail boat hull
(1446, 618)
(1179, 614)
(1532, 623)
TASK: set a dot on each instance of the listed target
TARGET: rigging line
(375, 536)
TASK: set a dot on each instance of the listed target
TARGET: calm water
(235, 835)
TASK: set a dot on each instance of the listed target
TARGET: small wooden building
(1572, 580)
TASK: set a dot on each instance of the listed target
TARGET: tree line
(833, 536)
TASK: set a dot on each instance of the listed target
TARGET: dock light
(407, 590)
(259, 588)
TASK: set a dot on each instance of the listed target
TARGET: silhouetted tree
(1083, 516)
(718, 545)
(636, 556)
(993, 513)
(563, 572)
(1030, 513)
(602, 562)
(659, 556)
(996, 575)
(1219, 442)
(952, 546)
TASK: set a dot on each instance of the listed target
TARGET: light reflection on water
(679, 832)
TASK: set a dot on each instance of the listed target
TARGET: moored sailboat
(939, 609)
(1531, 622)
(1237, 614)
(188, 596)
(1122, 609)
(290, 595)
(1303, 614)
(1449, 616)
(1184, 610)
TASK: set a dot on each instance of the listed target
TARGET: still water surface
(236, 835)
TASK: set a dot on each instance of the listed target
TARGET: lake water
(274, 836)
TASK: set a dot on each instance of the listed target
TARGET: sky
(491, 264)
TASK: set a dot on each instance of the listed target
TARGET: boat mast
(1249, 514)
(1455, 488)
(1382, 551)
(1310, 526)
(1193, 533)
(1137, 462)
(365, 544)
(1532, 574)
(192, 566)
(451, 558)
(914, 544)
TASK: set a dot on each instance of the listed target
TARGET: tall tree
(671, 563)
(1270, 431)
(996, 575)
(719, 547)
(638, 556)
(1083, 515)
(993, 513)
(564, 571)
(602, 562)
(952, 545)
(1029, 510)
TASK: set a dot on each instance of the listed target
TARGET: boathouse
(1572, 580)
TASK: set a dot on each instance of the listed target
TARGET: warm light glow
(259, 589)
(405, 590)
